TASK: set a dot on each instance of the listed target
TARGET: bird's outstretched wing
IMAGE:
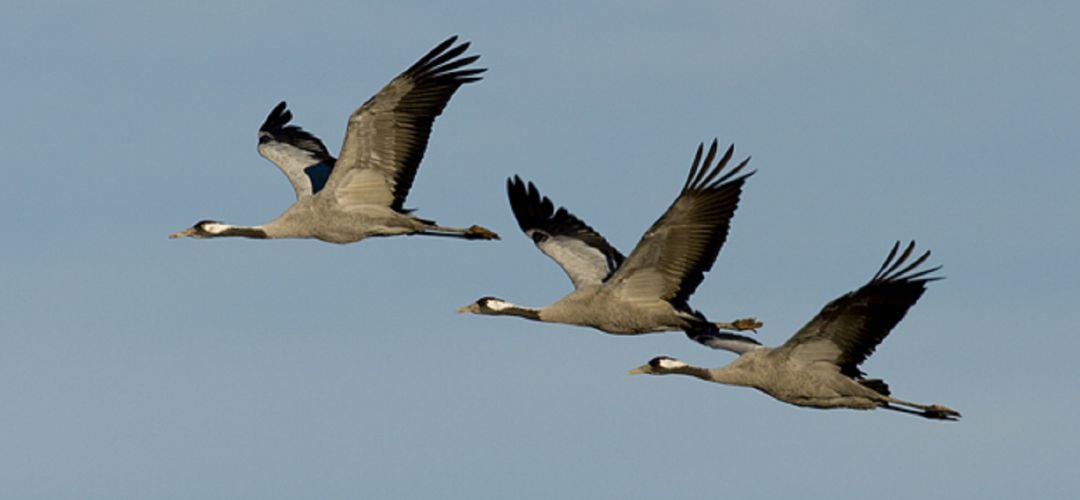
(388, 134)
(301, 156)
(848, 329)
(585, 256)
(672, 257)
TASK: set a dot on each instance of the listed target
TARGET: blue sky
(133, 366)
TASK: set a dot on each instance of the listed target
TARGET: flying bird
(819, 366)
(647, 291)
(362, 193)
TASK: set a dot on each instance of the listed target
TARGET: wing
(585, 256)
(302, 156)
(388, 134)
(848, 329)
(672, 257)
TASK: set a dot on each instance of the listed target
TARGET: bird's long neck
(520, 311)
(691, 370)
(724, 375)
(224, 230)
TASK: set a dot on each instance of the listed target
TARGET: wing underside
(583, 254)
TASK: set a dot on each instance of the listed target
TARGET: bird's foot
(744, 324)
(479, 233)
(941, 413)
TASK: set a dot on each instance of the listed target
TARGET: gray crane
(818, 366)
(362, 193)
(647, 291)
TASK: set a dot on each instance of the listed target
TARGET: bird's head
(202, 229)
(486, 305)
(660, 365)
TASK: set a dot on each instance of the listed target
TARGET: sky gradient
(134, 366)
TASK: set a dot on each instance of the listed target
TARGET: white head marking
(498, 305)
(671, 364)
(215, 227)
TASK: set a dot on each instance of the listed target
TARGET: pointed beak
(639, 370)
(467, 309)
(180, 234)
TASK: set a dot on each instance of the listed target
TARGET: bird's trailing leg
(473, 232)
(741, 325)
(936, 412)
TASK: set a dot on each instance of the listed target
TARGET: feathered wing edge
(388, 135)
(684, 242)
(849, 328)
(301, 156)
(440, 70)
(276, 128)
(585, 255)
(728, 191)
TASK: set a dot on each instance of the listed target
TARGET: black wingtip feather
(694, 166)
(433, 53)
(278, 118)
(455, 64)
(709, 157)
(276, 128)
(888, 259)
(534, 211)
(441, 61)
(728, 177)
(446, 58)
(913, 265)
(900, 260)
(704, 174)
(894, 268)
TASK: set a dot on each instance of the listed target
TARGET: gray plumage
(362, 193)
(647, 291)
(301, 156)
(818, 366)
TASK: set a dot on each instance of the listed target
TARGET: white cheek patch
(498, 305)
(671, 364)
(215, 228)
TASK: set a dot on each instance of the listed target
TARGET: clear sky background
(134, 366)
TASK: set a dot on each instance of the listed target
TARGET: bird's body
(648, 290)
(810, 385)
(602, 308)
(818, 366)
(321, 218)
(362, 193)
